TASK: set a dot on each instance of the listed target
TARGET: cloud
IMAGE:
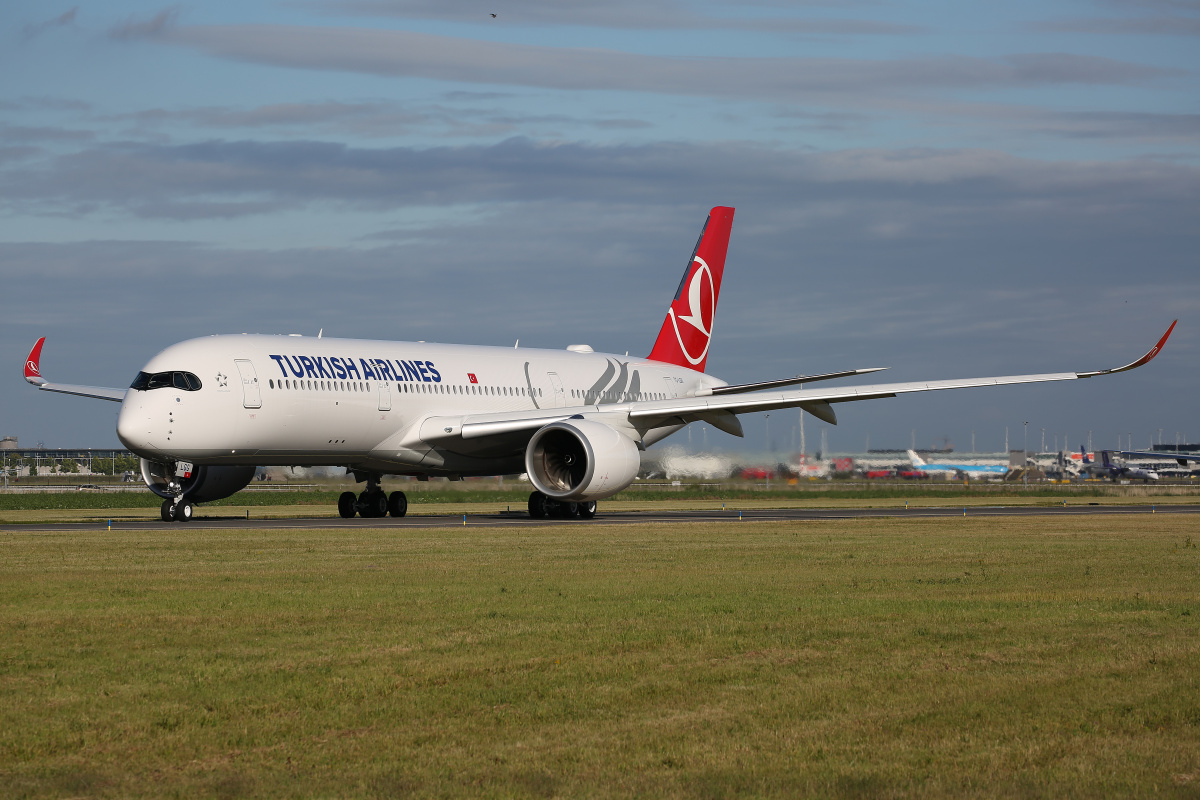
(1166, 5)
(619, 14)
(62, 20)
(28, 103)
(1119, 125)
(1123, 26)
(18, 153)
(369, 119)
(408, 54)
(41, 134)
(151, 28)
(853, 209)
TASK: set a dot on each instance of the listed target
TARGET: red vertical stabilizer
(687, 330)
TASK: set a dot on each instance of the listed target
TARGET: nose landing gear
(178, 510)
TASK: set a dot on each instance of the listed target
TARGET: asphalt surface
(521, 520)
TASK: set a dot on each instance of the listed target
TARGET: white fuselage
(292, 400)
(971, 470)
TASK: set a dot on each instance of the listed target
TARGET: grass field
(1020, 657)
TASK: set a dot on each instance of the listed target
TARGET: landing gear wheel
(167, 512)
(568, 510)
(397, 504)
(373, 504)
(182, 511)
(537, 506)
(347, 505)
(587, 510)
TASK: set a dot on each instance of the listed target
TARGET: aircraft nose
(134, 425)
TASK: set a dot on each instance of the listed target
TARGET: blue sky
(946, 189)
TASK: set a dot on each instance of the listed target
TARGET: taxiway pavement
(521, 520)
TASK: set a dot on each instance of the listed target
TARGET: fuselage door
(670, 387)
(385, 396)
(251, 396)
(560, 398)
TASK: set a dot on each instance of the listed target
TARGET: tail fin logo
(687, 328)
(31, 368)
(700, 314)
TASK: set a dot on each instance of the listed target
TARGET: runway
(521, 520)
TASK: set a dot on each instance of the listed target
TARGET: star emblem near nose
(222, 379)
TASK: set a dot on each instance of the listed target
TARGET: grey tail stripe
(614, 391)
(529, 383)
(594, 393)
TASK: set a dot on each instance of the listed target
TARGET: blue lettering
(350, 368)
(336, 364)
(295, 369)
(398, 371)
(437, 376)
(321, 368)
(367, 371)
(424, 375)
(308, 366)
(279, 361)
(385, 369)
(410, 371)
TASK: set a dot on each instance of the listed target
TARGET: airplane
(1107, 468)
(1181, 459)
(204, 413)
(925, 469)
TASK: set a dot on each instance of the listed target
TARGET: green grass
(851, 658)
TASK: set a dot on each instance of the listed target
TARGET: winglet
(33, 364)
(1143, 360)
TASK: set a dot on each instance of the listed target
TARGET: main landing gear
(542, 507)
(177, 511)
(373, 503)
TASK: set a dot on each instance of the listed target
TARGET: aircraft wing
(721, 410)
(742, 388)
(818, 401)
(33, 374)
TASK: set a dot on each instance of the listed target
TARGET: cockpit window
(185, 381)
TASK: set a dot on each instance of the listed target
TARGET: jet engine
(581, 460)
(196, 484)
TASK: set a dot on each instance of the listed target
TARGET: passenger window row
(591, 397)
(321, 386)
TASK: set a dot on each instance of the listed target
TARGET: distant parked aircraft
(954, 470)
(1181, 458)
(1109, 468)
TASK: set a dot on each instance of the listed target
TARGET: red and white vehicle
(202, 414)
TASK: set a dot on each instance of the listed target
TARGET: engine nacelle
(581, 460)
(197, 484)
